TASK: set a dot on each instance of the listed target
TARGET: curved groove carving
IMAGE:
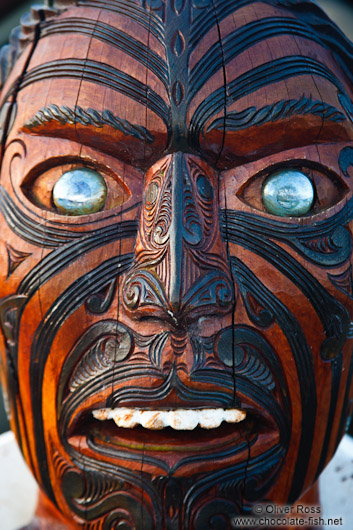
(332, 245)
(346, 160)
(332, 313)
(112, 344)
(343, 281)
(115, 37)
(62, 257)
(100, 74)
(179, 231)
(98, 303)
(178, 43)
(90, 494)
(261, 76)
(245, 351)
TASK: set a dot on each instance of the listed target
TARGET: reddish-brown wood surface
(183, 291)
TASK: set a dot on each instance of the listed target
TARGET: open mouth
(168, 432)
(170, 439)
(177, 419)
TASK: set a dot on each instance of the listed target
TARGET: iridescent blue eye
(288, 192)
(80, 191)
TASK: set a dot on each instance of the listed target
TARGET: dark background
(12, 10)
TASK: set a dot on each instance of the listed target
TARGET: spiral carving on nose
(180, 271)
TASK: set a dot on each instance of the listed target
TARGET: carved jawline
(178, 419)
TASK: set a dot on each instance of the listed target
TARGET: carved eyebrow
(251, 81)
(89, 117)
(235, 121)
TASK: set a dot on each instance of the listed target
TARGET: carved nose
(180, 271)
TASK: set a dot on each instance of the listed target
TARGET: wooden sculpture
(176, 244)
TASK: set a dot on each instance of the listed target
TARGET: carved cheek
(288, 295)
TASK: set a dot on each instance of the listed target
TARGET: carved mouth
(101, 431)
(177, 419)
(171, 439)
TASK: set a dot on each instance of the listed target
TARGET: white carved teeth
(178, 419)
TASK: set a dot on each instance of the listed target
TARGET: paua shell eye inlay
(204, 188)
(80, 191)
(288, 192)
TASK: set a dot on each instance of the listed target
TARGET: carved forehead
(176, 71)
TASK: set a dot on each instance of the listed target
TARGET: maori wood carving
(176, 215)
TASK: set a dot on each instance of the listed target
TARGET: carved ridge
(251, 116)
(65, 115)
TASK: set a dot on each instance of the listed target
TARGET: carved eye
(305, 188)
(75, 191)
(288, 192)
(79, 192)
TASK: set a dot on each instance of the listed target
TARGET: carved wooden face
(176, 212)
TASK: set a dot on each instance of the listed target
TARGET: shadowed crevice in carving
(65, 115)
(345, 160)
(236, 121)
(15, 258)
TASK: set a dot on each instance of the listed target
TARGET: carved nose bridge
(180, 270)
(185, 229)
